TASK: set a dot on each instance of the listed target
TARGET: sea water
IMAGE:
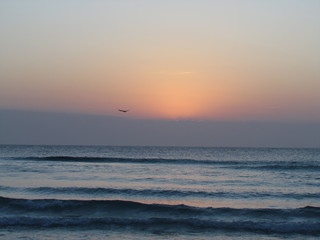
(100, 192)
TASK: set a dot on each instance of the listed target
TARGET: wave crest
(165, 224)
(262, 165)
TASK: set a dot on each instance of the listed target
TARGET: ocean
(104, 192)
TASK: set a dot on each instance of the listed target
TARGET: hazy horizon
(52, 128)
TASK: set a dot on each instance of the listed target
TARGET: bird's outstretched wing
(121, 110)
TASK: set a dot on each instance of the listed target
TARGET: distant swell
(125, 160)
(267, 165)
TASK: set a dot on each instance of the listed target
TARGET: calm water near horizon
(100, 192)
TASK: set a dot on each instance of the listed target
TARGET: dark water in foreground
(76, 192)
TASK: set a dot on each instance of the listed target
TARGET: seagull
(121, 110)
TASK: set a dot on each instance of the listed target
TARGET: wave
(111, 214)
(267, 165)
(124, 160)
(165, 224)
(121, 207)
(167, 193)
(100, 191)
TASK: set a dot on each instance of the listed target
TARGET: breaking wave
(51, 213)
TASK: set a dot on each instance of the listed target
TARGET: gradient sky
(169, 59)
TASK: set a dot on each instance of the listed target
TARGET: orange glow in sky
(179, 100)
(174, 94)
(203, 60)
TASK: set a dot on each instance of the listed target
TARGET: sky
(189, 60)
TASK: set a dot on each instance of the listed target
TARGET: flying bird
(121, 110)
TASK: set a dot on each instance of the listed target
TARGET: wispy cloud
(183, 73)
(172, 73)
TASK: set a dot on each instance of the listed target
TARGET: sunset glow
(204, 60)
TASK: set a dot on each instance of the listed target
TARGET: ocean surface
(98, 192)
